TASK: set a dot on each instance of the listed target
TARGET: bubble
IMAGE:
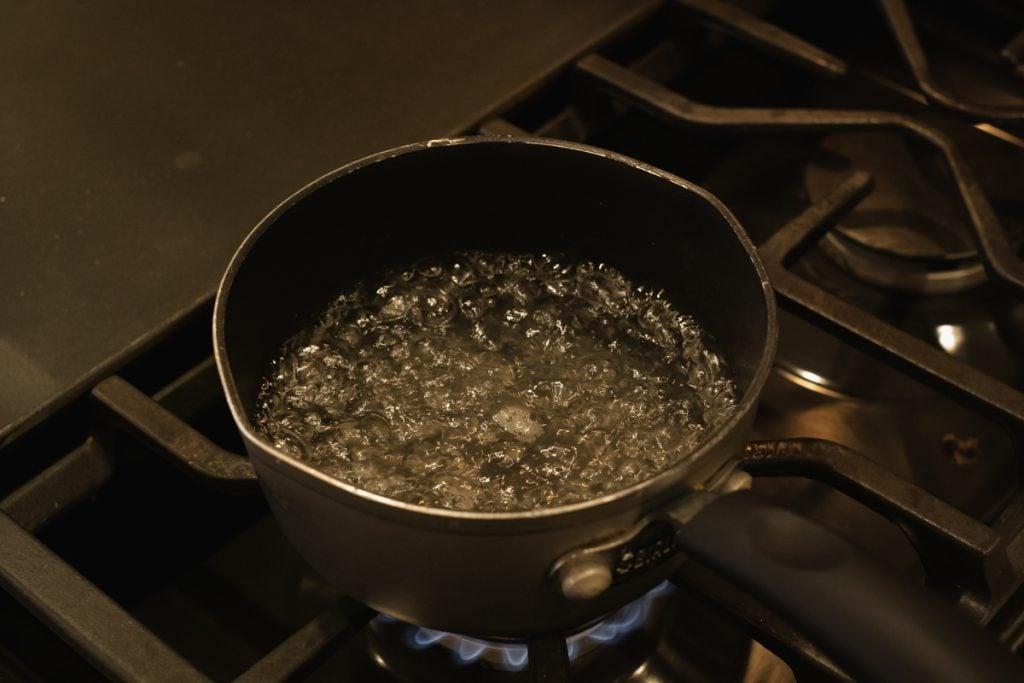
(517, 419)
(494, 382)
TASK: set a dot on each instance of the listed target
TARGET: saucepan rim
(672, 477)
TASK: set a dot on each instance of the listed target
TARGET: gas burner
(907, 235)
(919, 276)
(513, 656)
(983, 327)
(668, 634)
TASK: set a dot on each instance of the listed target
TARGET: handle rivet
(584, 579)
(737, 481)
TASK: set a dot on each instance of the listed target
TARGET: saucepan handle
(875, 625)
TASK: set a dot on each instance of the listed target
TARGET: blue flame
(514, 656)
(425, 637)
(469, 650)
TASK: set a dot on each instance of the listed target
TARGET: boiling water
(496, 383)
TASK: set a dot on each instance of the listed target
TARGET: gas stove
(872, 151)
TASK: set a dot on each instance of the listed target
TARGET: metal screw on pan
(585, 579)
(738, 481)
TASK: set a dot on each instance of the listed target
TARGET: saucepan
(518, 574)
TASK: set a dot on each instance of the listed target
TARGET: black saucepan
(542, 571)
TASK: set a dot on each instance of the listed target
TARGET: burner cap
(910, 233)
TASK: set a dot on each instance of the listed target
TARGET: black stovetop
(143, 142)
(148, 145)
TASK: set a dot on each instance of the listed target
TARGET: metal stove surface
(128, 184)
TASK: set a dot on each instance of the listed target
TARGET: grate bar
(502, 127)
(578, 123)
(193, 390)
(902, 26)
(97, 627)
(338, 622)
(905, 351)
(961, 556)
(167, 434)
(1000, 258)
(59, 487)
(760, 623)
(549, 659)
(1013, 52)
(763, 34)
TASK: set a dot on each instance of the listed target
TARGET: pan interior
(500, 197)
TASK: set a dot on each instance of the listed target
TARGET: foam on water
(496, 383)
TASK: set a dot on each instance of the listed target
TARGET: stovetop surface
(142, 144)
